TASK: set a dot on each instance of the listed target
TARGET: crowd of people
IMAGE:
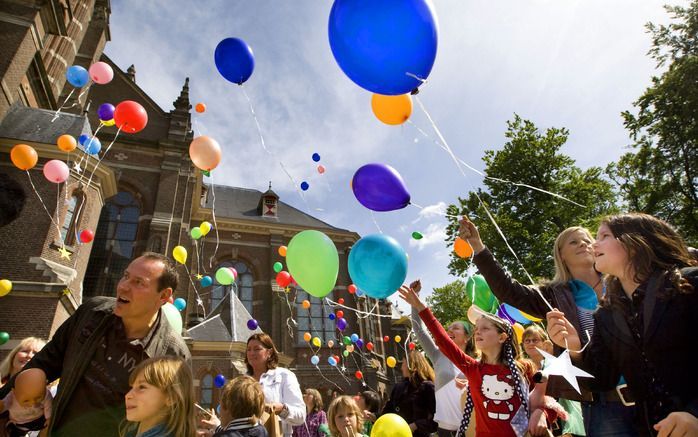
(621, 303)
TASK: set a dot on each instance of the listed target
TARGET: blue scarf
(584, 295)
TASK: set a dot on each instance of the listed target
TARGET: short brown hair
(268, 343)
(347, 403)
(243, 397)
(169, 277)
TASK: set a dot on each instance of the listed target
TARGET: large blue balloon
(234, 60)
(378, 265)
(379, 44)
(77, 76)
(380, 187)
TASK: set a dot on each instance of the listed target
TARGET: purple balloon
(342, 324)
(106, 111)
(503, 314)
(359, 343)
(380, 187)
(252, 324)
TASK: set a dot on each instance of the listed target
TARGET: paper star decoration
(563, 366)
(77, 167)
(64, 253)
(199, 277)
(66, 291)
(344, 369)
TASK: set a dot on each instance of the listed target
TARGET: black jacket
(414, 404)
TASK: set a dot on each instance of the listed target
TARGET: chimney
(132, 73)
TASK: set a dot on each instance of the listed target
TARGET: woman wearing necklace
(576, 291)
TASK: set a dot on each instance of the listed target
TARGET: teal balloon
(196, 232)
(313, 262)
(278, 267)
(378, 265)
(480, 293)
(4, 337)
(225, 276)
(206, 281)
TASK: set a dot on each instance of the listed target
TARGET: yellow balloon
(317, 342)
(307, 336)
(518, 330)
(180, 254)
(398, 339)
(530, 317)
(205, 228)
(391, 425)
(392, 110)
(350, 348)
(391, 362)
(5, 287)
(108, 122)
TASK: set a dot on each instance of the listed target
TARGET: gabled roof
(243, 203)
(35, 125)
(227, 322)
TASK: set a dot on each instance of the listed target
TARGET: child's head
(492, 336)
(312, 399)
(162, 392)
(368, 400)
(342, 414)
(242, 397)
(30, 388)
(535, 337)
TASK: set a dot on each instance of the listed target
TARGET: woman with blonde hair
(315, 417)
(19, 356)
(413, 399)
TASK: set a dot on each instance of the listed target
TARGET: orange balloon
(24, 157)
(67, 143)
(306, 304)
(205, 152)
(200, 107)
(282, 250)
(392, 109)
(462, 248)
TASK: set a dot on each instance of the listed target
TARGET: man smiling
(96, 349)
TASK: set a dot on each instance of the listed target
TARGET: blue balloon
(180, 304)
(92, 146)
(332, 361)
(359, 293)
(354, 338)
(206, 281)
(82, 139)
(331, 316)
(219, 380)
(234, 60)
(314, 360)
(380, 187)
(378, 265)
(380, 44)
(515, 314)
(77, 76)
(305, 186)
(316, 157)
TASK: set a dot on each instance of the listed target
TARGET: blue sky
(574, 64)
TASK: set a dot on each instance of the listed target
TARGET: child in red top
(498, 389)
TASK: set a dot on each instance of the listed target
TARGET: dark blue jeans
(608, 418)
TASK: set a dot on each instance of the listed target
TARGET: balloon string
(42, 203)
(482, 203)
(100, 158)
(198, 257)
(184, 205)
(215, 224)
(328, 380)
(358, 312)
(58, 111)
(373, 217)
(199, 302)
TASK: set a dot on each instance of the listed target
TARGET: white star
(77, 167)
(563, 366)
(344, 369)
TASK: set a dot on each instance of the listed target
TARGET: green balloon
(196, 232)
(225, 276)
(313, 262)
(480, 293)
(346, 340)
(4, 337)
(278, 267)
(417, 236)
(345, 353)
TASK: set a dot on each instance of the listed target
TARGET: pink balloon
(101, 73)
(56, 171)
(321, 169)
(205, 153)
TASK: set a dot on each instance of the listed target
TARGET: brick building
(146, 195)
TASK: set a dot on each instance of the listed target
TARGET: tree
(660, 176)
(530, 219)
(450, 302)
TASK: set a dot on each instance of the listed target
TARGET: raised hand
(411, 297)
(468, 231)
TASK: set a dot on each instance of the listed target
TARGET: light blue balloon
(515, 314)
(314, 360)
(378, 265)
(354, 338)
(77, 76)
(206, 281)
(332, 361)
(180, 303)
(92, 146)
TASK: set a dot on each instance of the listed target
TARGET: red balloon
(340, 314)
(351, 289)
(411, 346)
(336, 358)
(86, 236)
(358, 374)
(130, 116)
(369, 346)
(283, 279)
(340, 301)
(386, 339)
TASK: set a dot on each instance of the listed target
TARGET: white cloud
(429, 211)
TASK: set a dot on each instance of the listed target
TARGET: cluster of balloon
(24, 157)
(105, 112)
(173, 317)
(462, 248)
(320, 167)
(385, 46)
(226, 275)
(391, 425)
(130, 116)
(180, 304)
(313, 262)
(205, 153)
(200, 231)
(234, 60)
(66, 143)
(5, 287)
(480, 293)
(219, 381)
(392, 110)
(200, 108)
(252, 324)
(378, 265)
(4, 337)
(86, 236)
(56, 171)
(90, 144)
(379, 187)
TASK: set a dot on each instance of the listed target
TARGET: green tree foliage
(660, 175)
(530, 219)
(450, 302)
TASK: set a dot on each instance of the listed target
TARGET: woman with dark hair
(413, 398)
(645, 327)
(370, 403)
(315, 420)
(282, 392)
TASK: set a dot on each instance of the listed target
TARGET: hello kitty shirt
(491, 385)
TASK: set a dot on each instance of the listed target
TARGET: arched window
(206, 387)
(244, 284)
(113, 245)
(69, 225)
(314, 319)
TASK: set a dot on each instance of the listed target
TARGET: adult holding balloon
(575, 291)
(88, 351)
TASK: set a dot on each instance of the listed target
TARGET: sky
(559, 63)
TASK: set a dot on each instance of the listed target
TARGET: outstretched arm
(420, 330)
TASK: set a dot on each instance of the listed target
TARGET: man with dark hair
(95, 350)
(12, 198)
